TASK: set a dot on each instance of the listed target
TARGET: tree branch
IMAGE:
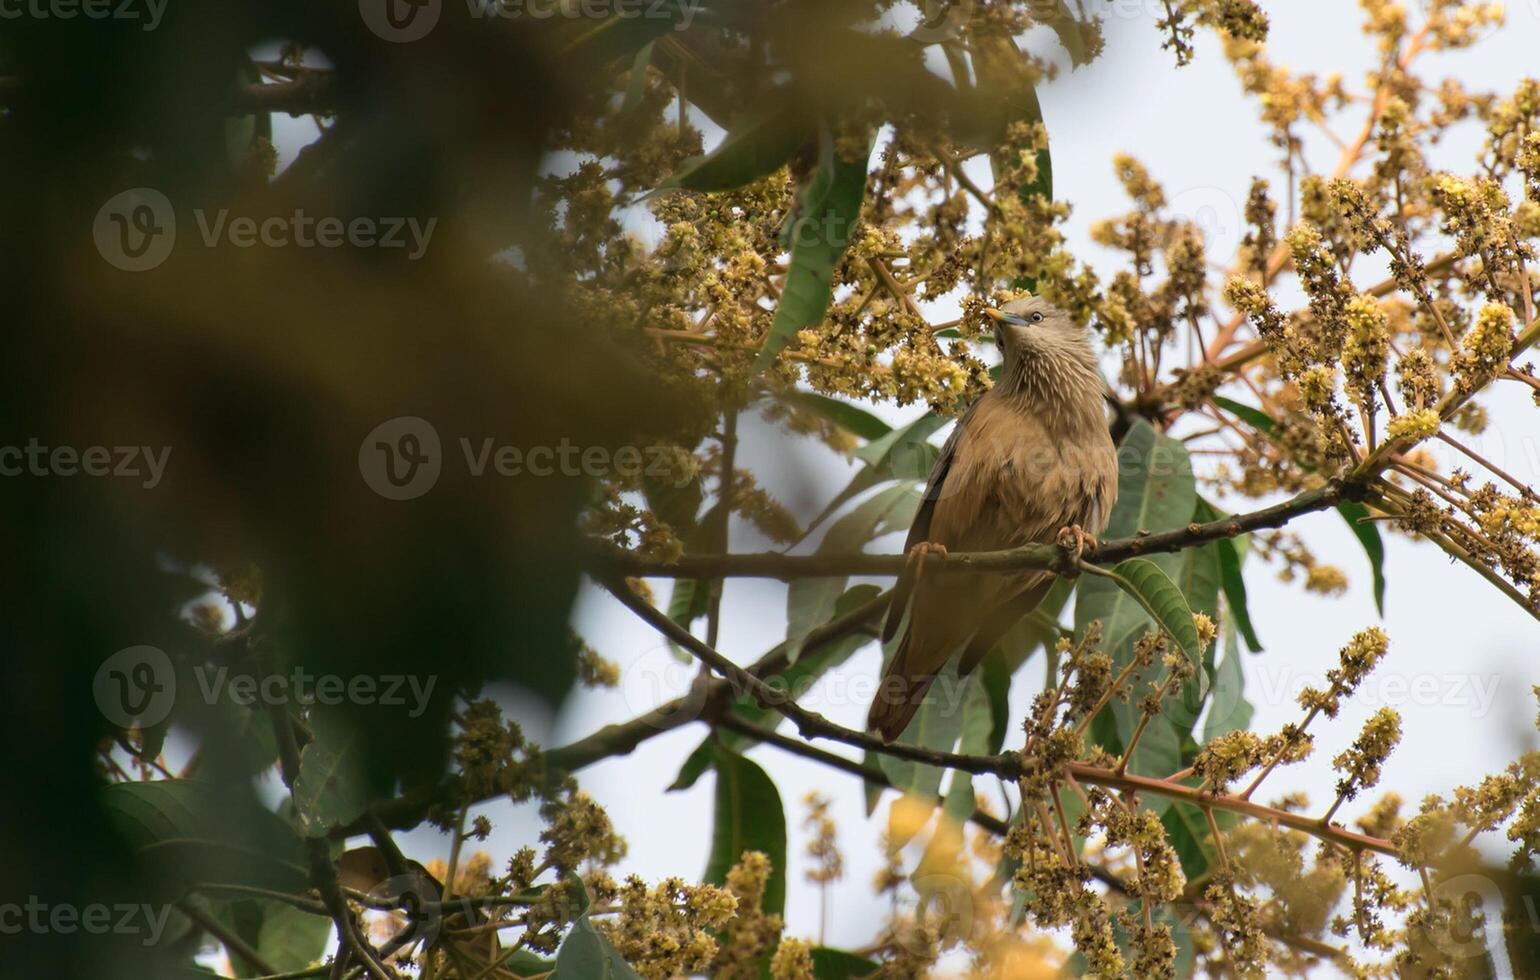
(1007, 765)
(1039, 556)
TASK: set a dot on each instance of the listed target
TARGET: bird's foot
(920, 552)
(1076, 542)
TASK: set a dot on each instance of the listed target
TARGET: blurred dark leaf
(1368, 535)
(748, 816)
(820, 229)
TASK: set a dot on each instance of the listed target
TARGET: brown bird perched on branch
(1030, 461)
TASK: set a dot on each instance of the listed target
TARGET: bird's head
(1041, 344)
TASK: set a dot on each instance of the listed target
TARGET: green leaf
(873, 791)
(959, 803)
(1145, 580)
(1368, 534)
(199, 832)
(1228, 708)
(687, 602)
(1038, 629)
(760, 142)
(836, 964)
(1187, 830)
(841, 413)
(748, 817)
(1156, 492)
(1200, 583)
(330, 790)
(1253, 417)
(810, 602)
(636, 85)
(586, 955)
(827, 211)
(936, 726)
(1235, 591)
(288, 939)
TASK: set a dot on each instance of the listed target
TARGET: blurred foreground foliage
(818, 180)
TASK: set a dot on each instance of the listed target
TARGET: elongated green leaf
(1188, 831)
(836, 964)
(748, 817)
(287, 938)
(1144, 579)
(1254, 417)
(820, 230)
(1038, 629)
(1156, 492)
(1235, 591)
(636, 85)
(841, 413)
(810, 602)
(330, 790)
(937, 726)
(1228, 708)
(1368, 534)
(760, 143)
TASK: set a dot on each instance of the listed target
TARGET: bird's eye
(1037, 318)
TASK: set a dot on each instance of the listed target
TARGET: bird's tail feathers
(899, 695)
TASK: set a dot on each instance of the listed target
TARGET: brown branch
(1008, 765)
(233, 943)
(809, 723)
(1035, 556)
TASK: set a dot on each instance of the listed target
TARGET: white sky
(1462, 658)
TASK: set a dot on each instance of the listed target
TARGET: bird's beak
(1003, 317)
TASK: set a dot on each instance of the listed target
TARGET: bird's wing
(920, 528)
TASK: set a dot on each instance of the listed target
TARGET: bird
(1030, 461)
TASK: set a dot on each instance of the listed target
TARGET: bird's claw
(921, 551)
(1075, 541)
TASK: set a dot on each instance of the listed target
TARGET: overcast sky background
(1462, 658)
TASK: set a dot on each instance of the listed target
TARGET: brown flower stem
(1069, 836)
(1144, 722)
(1219, 841)
(1386, 502)
(1278, 756)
